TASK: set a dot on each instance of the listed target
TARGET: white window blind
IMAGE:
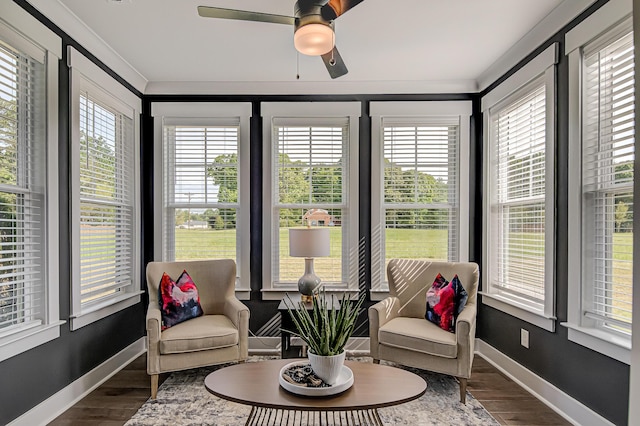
(201, 191)
(310, 184)
(518, 202)
(105, 217)
(107, 223)
(607, 180)
(419, 183)
(421, 189)
(23, 263)
(29, 287)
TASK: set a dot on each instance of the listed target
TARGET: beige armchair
(399, 332)
(219, 336)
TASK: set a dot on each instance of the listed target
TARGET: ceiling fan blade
(334, 63)
(336, 8)
(244, 15)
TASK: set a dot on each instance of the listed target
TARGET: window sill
(104, 309)
(520, 311)
(608, 344)
(24, 340)
(379, 294)
(243, 293)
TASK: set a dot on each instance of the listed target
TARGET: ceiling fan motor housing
(309, 12)
(313, 35)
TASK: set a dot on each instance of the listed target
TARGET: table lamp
(308, 243)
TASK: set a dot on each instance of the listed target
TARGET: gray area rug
(183, 400)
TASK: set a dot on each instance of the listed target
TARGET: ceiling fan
(313, 23)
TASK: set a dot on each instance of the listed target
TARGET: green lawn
(194, 244)
(416, 244)
(622, 275)
(400, 243)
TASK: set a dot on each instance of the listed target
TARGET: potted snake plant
(326, 332)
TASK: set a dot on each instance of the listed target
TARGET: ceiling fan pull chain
(297, 65)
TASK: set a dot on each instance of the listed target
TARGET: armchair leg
(376, 361)
(154, 386)
(463, 389)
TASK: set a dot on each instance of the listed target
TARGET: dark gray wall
(597, 381)
(33, 376)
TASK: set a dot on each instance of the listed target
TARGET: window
(105, 194)
(28, 185)
(519, 189)
(420, 183)
(203, 186)
(310, 177)
(601, 184)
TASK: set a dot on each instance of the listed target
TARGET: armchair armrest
(379, 314)
(235, 310)
(154, 321)
(465, 338)
(466, 323)
(384, 311)
(239, 314)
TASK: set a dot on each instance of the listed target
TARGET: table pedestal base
(272, 416)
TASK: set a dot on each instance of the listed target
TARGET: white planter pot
(328, 368)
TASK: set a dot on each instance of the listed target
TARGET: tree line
(322, 185)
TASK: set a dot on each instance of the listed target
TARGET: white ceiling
(413, 40)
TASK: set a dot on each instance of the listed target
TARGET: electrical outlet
(524, 338)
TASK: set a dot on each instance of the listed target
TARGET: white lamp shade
(314, 39)
(309, 242)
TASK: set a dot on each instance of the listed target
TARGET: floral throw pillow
(179, 300)
(445, 300)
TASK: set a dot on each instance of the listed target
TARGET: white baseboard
(563, 404)
(64, 399)
(356, 346)
(264, 345)
(571, 409)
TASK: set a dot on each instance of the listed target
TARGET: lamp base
(309, 283)
(304, 298)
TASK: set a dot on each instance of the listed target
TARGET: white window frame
(310, 110)
(203, 113)
(26, 33)
(416, 113)
(580, 329)
(543, 65)
(87, 75)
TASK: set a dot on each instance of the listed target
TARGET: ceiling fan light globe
(314, 39)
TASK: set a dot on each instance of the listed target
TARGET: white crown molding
(65, 398)
(308, 88)
(562, 403)
(60, 15)
(551, 24)
(25, 24)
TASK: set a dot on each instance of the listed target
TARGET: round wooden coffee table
(256, 384)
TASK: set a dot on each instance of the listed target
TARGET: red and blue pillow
(445, 301)
(179, 300)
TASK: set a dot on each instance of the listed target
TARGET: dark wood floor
(117, 400)
(507, 401)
